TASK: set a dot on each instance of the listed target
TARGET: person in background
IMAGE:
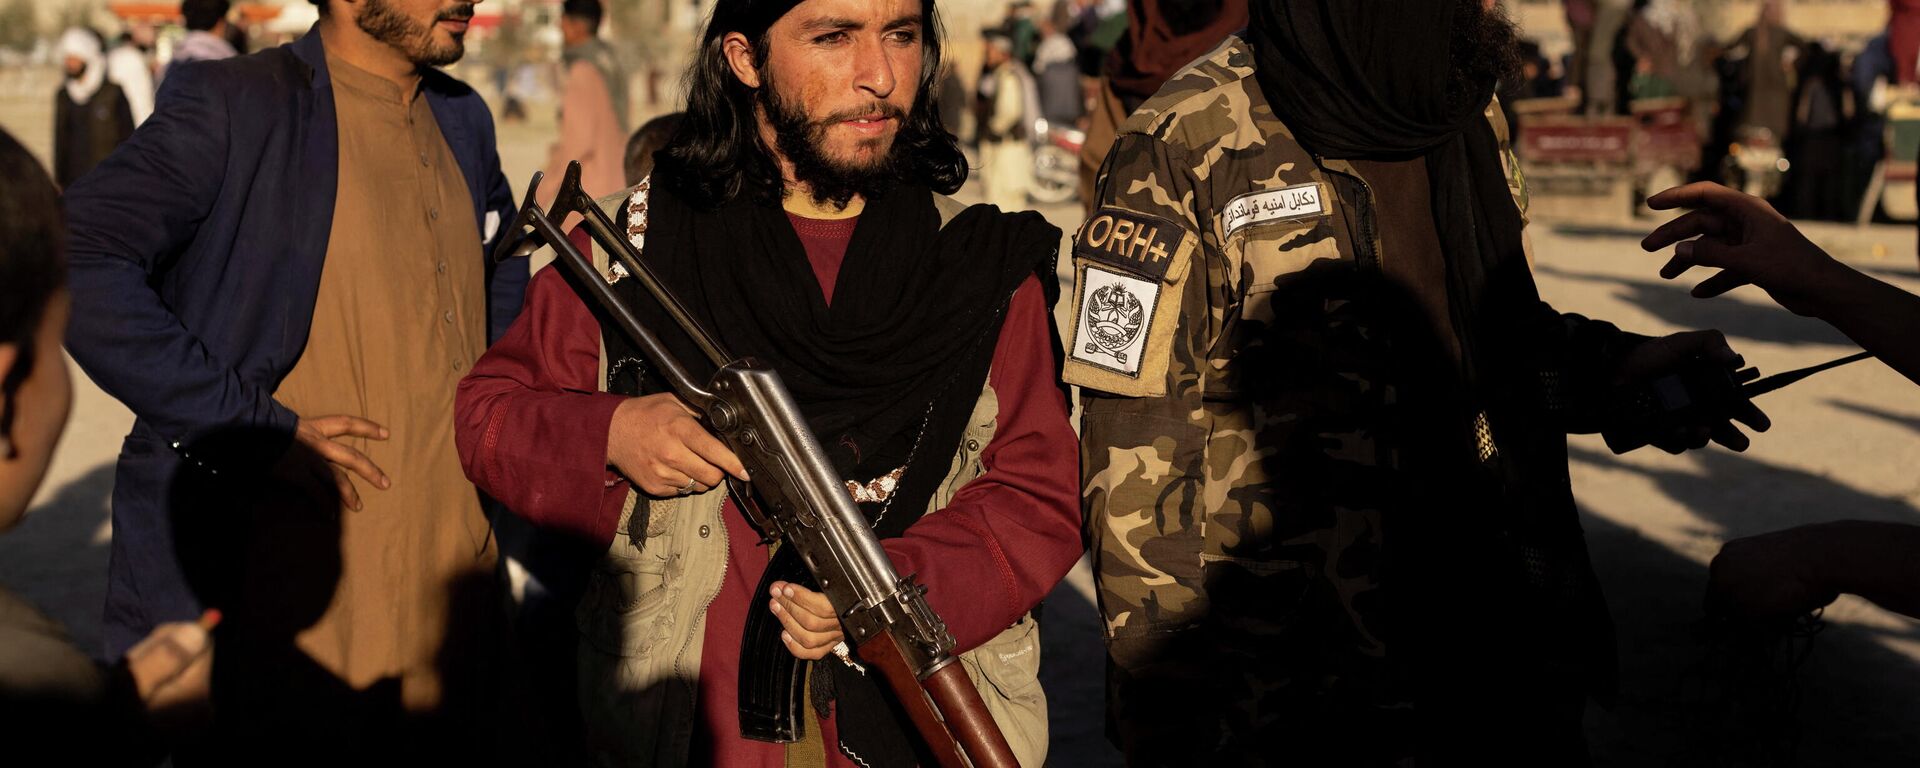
(648, 46)
(1580, 16)
(1647, 82)
(1023, 30)
(1903, 40)
(1817, 180)
(1097, 29)
(1671, 55)
(1162, 36)
(1062, 99)
(90, 113)
(1779, 575)
(130, 66)
(651, 138)
(1766, 52)
(53, 698)
(1871, 81)
(593, 107)
(206, 40)
(284, 275)
(1007, 106)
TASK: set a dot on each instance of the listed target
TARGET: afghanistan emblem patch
(1111, 328)
(1113, 321)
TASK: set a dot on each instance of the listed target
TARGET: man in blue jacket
(283, 275)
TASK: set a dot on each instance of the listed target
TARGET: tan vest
(642, 618)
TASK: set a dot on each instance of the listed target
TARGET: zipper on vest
(679, 657)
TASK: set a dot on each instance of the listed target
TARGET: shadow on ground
(1910, 422)
(53, 561)
(1672, 304)
(1693, 698)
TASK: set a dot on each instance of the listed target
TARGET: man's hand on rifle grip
(657, 442)
(812, 628)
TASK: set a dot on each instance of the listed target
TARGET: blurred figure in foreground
(90, 114)
(1786, 573)
(52, 696)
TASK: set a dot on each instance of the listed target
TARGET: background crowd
(1805, 122)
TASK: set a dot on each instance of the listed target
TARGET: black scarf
(1370, 79)
(887, 375)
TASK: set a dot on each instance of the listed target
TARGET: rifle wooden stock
(945, 701)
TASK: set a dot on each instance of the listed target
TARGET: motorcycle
(1056, 162)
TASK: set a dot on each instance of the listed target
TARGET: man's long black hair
(717, 154)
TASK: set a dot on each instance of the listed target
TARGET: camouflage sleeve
(1143, 451)
(1131, 258)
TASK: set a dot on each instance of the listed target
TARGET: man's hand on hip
(656, 442)
(316, 438)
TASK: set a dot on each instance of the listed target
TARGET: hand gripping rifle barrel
(795, 494)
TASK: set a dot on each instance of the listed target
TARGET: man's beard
(803, 141)
(1485, 50)
(388, 25)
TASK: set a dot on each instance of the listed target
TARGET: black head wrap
(748, 17)
(1374, 79)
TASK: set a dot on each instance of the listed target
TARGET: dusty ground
(1844, 446)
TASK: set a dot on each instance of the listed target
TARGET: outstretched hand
(1747, 240)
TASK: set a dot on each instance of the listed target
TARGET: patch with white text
(1110, 329)
(1135, 242)
(1299, 202)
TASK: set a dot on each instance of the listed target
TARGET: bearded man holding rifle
(800, 216)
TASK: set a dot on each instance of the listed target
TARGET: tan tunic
(400, 317)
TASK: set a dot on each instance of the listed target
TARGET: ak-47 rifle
(795, 497)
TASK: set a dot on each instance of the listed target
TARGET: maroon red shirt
(991, 554)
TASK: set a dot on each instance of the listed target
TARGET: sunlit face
(851, 68)
(428, 32)
(76, 66)
(39, 411)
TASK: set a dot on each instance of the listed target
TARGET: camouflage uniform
(1245, 429)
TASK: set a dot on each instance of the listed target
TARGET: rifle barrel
(573, 198)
